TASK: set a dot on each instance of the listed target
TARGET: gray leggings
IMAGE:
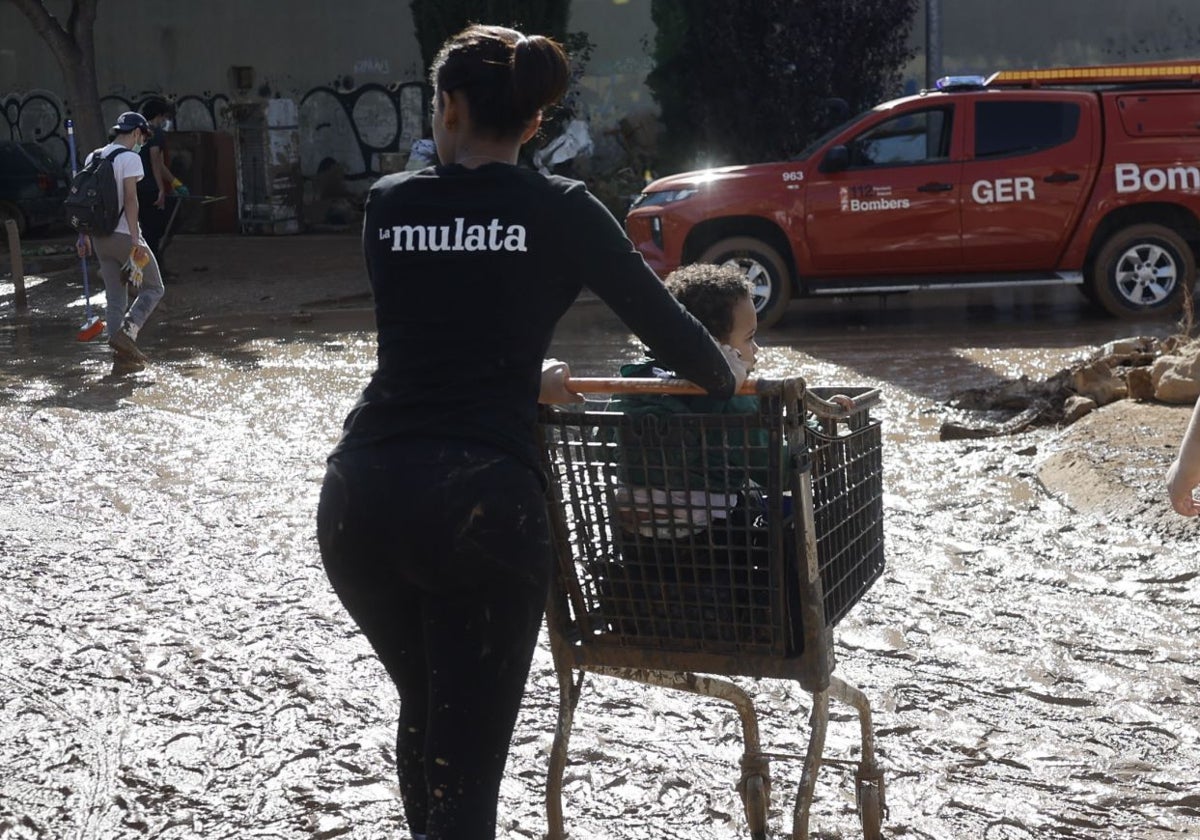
(113, 252)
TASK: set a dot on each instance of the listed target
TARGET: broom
(92, 325)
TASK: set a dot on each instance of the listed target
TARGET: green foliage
(437, 20)
(746, 81)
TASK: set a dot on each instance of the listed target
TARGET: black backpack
(93, 205)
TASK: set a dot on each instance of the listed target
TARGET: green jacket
(727, 466)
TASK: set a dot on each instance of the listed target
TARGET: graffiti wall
(39, 116)
(353, 127)
(349, 126)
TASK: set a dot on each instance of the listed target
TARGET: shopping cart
(692, 547)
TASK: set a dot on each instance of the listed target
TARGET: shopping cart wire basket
(694, 547)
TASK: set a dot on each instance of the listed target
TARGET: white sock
(132, 329)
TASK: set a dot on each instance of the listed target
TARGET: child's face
(745, 327)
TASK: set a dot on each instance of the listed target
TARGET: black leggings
(441, 554)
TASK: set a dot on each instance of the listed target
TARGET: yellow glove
(139, 258)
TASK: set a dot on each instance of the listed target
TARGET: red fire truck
(1087, 176)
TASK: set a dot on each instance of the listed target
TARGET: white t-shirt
(124, 166)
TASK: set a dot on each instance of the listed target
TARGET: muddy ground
(175, 665)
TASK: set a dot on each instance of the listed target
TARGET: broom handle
(87, 292)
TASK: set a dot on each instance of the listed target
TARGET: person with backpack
(103, 207)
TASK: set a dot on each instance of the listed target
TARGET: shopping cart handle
(815, 399)
(649, 385)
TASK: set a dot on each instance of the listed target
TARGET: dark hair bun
(540, 74)
(507, 77)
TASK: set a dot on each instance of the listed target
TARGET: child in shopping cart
(720, 298)
(694, 512)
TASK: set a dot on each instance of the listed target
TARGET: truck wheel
(763, 267)
(1143, 270)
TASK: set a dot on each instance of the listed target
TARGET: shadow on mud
(917, 341)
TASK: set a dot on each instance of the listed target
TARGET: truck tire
(763, 267)
(1143, 270)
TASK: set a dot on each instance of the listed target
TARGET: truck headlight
(651, 199)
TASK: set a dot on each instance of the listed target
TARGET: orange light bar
(1187, 70)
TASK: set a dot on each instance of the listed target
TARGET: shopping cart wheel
(756, 800)
(870, 809)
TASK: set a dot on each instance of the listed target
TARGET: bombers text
(1133, 178)
(460, 236)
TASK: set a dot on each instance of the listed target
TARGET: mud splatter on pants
(113, 252)
(441, 554)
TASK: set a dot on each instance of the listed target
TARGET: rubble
(1141, 368)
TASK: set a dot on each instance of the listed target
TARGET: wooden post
(18, 266)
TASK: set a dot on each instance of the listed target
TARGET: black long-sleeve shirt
(471, 270)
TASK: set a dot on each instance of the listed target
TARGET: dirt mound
(1111, 464)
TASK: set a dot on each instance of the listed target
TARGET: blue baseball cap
(129, 121)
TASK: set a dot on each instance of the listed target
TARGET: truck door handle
(1061, 178)
(935, 187)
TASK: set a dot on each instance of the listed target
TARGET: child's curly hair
(709, 292)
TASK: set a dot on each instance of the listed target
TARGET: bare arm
(162, 175)
(1184, 475)
(131, 209)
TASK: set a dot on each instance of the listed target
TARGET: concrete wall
(356, 78)
(182, 48)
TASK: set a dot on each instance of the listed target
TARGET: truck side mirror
(836, 159)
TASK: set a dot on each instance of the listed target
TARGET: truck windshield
(811, 148)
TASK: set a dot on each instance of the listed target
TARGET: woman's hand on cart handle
(555, 390)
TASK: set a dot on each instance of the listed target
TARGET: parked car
(1020, 179)
(32, 186)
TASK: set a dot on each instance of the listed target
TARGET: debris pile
(1142, 368)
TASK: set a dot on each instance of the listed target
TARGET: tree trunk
(83, 106)
(73, 44)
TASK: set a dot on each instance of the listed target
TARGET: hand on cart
(554, 388)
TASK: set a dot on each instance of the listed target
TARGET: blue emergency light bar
(952, 83)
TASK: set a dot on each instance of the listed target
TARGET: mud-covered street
(175, 665)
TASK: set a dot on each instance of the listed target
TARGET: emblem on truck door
(866, 198)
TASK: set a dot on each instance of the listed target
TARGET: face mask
(137, 148)
(167, 125)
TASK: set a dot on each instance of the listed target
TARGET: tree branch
(82, 21)
(46, 25)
